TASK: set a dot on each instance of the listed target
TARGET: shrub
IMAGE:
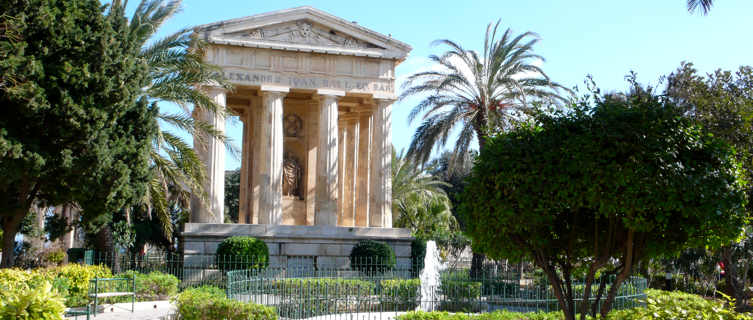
(372, 257)
(54, 257)
(324, 286)
(154, 285)
(678, 305)
(240, 253)
(400, 294)
(32, 303)
(206, 303)
(76, 278)
(460, 295)
(496, 315)
(417, 254)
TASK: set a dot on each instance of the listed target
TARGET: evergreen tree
(74, 129)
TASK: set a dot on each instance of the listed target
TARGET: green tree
(175, 66)
(481, 93)
(418, 200)
(722, 102)
(618, 178)
(477, 91)
(73, 126)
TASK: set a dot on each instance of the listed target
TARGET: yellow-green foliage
(207, 303)
(11, 279)
(32, 300)
(76, 278)
(679, 305)
(71, 280)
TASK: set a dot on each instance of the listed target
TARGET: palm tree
(176, 66)
(703, 5)
(419, 202)
(480, 93)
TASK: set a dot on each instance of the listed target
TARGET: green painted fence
(299, 293)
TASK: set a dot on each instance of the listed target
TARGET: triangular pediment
(303, 29)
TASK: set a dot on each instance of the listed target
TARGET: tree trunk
(37, 239)
(106, 248)
(477, 265)
(11, 223)
(732, 277)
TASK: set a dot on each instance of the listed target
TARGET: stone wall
(326, 246)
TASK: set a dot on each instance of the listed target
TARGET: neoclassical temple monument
(314, 93)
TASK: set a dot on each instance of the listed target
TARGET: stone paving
(150, 310)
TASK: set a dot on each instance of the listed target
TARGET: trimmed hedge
(496, 315)
(242, 253)
(372, 257)
(400, 294)
(207, 303)
(324, 286)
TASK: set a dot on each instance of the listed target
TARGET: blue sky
(606, 39)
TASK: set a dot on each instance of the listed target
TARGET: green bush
(417, 254)
(206, 303)
(241, 253)
(54, 257)
(678, 305)
(324, 286)
(460, 295)
(400, 294)
(497, 315)
(372, 257)
(76, 278)
(32, 303)
(154, 285)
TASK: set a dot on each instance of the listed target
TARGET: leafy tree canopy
(616, 178)
(73, 128)
(722, 102)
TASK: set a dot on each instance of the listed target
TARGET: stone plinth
(327, 246)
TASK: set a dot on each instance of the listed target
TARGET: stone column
(326, 164)
(364, 161)
(351, 166)
(270, 155)
(247, 160)
(211, 152)
(342, 160)
(381, 215)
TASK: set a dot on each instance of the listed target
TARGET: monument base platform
(316, 246)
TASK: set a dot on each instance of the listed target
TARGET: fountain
(429, 277)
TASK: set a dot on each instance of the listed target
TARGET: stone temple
(314, 93)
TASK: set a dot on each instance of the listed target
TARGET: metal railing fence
(304, 292)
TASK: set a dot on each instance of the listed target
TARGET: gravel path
(150, 310)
